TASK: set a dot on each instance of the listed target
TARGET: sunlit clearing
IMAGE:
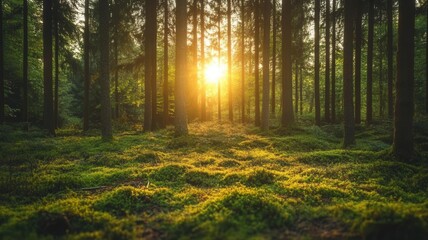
(214, 72)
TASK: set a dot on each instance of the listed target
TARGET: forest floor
(220, 182)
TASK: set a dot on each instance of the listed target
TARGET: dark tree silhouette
(287, 75)
(369, 95)
(25, 63)
(256, 62)
(333, 65)
(327, 63)
(2, 102)
(274, 35)
(165, 65)
(266, 60)
(229, 57)
(203, 86)
(358, 44)
(390, 58)
(317, 64)
(48, 115)
(87, 76)
(242, 61)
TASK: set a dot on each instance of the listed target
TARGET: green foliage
(260, 177)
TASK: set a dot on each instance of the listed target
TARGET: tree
(274, 34)
(333, 66)
(56, 5)
(2, 102)
(150, 64)
(327, 63)
(317, 63)
(287, 75)
(404, 106)
(181, 73)
(229, 57)
(87, 76)
(256, 62)
(266, 60)
(349, 137)
(242, 62)
(48, 115)
(390, 58)
(193, 81)
(116, 26)
(358, 43)
(104, 15)
(203, 86)
(369, 95)
(25, 63)
(219, 58)
(426, 63)
(165, 65)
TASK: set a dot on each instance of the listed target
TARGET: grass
(220, 182)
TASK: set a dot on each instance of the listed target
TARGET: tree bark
(25, 64)
(327, 117)
(274, 26)
(404, 104)
(56, 47)
(229, 57)
(242, 62)
(296, 88)
(256, 62)
(165, 66)
(48, 115)
(87, 77)
(219, 60)
(349, 137)
(203, 84)
(358, 43)
(106, 129)
(317, 64)
(369, 95)
(116, 60)
(181, 71)
(287, 75)
(301, 90)
(266, 58)
(333, 66)
(390, 59)
(2, 102)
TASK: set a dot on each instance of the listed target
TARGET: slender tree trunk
(358, 43)
(301, 90)
(287, 75)
(165, 66)
(317, 63)
(2, 102)
(404, 104)
(153, 31)
(87, 77)
(426, 63)
(25, 64)
(390, 59)
(181, 71)
(219, 59)
(327, 117)
(369, 111)
(116, 60)
(193, 80)
(296, 89)
(274, 26)
(349, 137)
(256, 63)
(105, 69)
(203, 86)
(333, 66)
(48, 115)
(56, 33)
(381, 100)
(266, 58)
(229, 57)
(243, 61)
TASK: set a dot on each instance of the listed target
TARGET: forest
(213, 119)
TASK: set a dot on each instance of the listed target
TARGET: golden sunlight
(214, 72)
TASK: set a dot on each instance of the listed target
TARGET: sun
(214, 72)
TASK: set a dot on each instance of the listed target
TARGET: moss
(201, 179)
(260, 177)
(169, 173)
(229, 164)
(150, 157)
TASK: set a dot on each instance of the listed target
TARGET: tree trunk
(301, 90)
(165, 66)
(181, 71)
(296, 89)
(274, 26)
(203, 86)
(358, 43)
(256, 63)
(25, 64)
(333, 66)
(266, 58)
(327, 63)
(369, 111)
(349, 137)
(56, 34)
(317, 64)
(104, 70)
(150, 65)
(87, 77)
(219, 60)
(2, 102)
(426, 63)
(404, 104)
(116, 60)
(193, 80)
(48, 115)
(229, 57)
(242, 62)
(287, 75)
(390, 59)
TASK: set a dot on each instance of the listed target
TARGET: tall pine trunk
(256, 62)
(116, 60)
(181, 71)
(87, 77)
(229, 57)
(317, 64)
(266, 60)
(2, 102)
(287, 75)
(25, 64)
(333, 66)
(390, 59)
(165, 65)
(242, 62)
(327, 63)
(369, 95)
(193, 80)
(404, 104)
(274, 26)
(56, 33)
(219, 59)
(296, 88)
(358, 43)
(104, 41)
(349, 125)
(203, 84)
(48, 115)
